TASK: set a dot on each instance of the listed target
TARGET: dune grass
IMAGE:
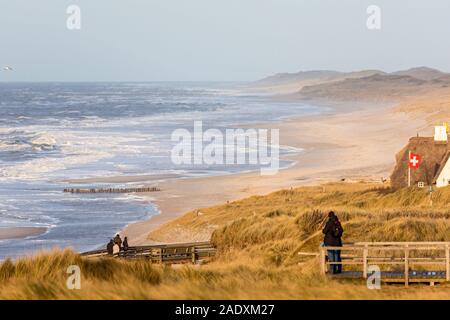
(258, 240)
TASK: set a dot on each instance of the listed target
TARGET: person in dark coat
(125, 244)
(118, 240)
(109, 247)
(333, 238)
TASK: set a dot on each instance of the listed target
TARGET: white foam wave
(76, 148)
(43, 139)
(38, 168)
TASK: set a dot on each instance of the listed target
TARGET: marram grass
(258, 240)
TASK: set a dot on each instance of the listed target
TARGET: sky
(216, 40)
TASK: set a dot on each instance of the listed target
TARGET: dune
(258, 241)
(357, 85)
(423, 73)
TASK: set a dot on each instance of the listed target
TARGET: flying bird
(7, 68)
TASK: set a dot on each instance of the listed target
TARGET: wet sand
(20, 232)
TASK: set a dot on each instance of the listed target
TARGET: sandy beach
(20, 232)
(351, 142)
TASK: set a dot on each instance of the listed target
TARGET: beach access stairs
(193, 252)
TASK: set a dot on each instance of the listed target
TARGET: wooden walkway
(193, 252)
(407, 262)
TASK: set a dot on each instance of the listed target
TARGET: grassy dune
(258, 239)
(434, 106)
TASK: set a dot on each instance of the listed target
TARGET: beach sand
(352, 142)
(20, 232)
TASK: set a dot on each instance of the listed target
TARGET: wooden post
(409, 169)
(323, 265)
(193, 255)
(406, 266)
(447, 263)
(365, 254)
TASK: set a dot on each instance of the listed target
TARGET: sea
(53, 132)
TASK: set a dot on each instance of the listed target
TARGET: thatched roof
(434, 156)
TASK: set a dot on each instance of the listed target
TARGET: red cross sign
(414, 161)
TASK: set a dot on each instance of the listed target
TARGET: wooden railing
(404, 254)
(163, 253)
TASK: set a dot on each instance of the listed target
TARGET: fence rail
(412, 254)
(164, 253)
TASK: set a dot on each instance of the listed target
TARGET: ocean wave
(38, 168)
(23, 219)
(43, 140)
(35, 154)
(17, 140)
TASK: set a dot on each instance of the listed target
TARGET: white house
(442, 178)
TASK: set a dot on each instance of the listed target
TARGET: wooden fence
(165, 253)
(410, 257)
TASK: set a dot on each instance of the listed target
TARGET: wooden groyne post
(111, 190)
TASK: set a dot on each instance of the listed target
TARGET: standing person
(116, 249)
(333, 233)
(125, 244)
(118, 240)
(109, 247)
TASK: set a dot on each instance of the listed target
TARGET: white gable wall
(444, 177)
